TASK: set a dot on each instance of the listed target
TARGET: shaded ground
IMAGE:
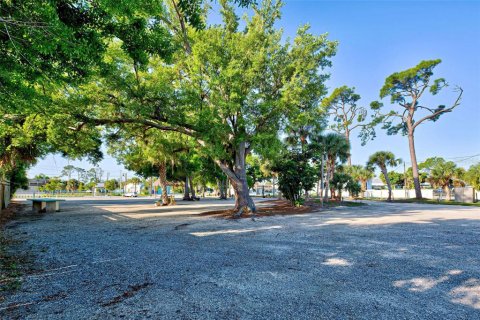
(102, 259)
(433, 201)
(275, 207)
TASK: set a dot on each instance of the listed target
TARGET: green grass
(343, 203)
(431, 201)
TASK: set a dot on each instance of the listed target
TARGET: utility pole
(405, 180)
(120, 180)
(104, 186)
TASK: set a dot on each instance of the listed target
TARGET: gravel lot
(124, 258)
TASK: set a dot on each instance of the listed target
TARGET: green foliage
(54, 184)
(41, 176)
(396, 178)
(441, 173)
(90, 185)
(423, 176)
(360, 174)
(347, 115)
(328, 149)
(256, 170)
(72, 185)
(59, 46)
(416, 77)
(68, 170)
(353, 188)
(230, 91)
(295, 175)
(111, 185)
(18, 178)
(94, 175)
(405, 90)
(343, 181)
(472, 176)
(138, 67)
(383, 159)
(332, 145)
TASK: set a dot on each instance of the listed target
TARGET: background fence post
(4, 194)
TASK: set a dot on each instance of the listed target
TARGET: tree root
(245, 209)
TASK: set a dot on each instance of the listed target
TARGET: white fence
(410, 194)
(401, 194)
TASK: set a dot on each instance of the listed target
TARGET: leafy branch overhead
(232, 91)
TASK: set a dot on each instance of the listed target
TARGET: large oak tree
(230, 90)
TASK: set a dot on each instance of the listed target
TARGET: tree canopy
(231, 93)
(405, 90)
(347, 115)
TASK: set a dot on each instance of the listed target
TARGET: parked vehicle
(130, 194)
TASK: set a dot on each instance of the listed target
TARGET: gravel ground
(106, 259)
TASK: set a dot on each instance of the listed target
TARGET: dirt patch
(132, 290)
(283, 207)
(272, 208)
(14, 262)
(11, 212)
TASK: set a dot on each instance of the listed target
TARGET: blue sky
(376, 39)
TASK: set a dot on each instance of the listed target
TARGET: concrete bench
(46, 204)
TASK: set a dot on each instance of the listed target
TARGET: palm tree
(135, 181)
(361, 174)
(331, 147)
(443, 173)
(298, 137)
(473, 176)
(384, 159)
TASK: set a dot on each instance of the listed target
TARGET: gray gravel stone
(125, 258)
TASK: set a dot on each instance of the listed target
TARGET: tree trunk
(162, 176)
(333, 193)
(321, 177)
(347, 137)
(192, 188)
(222, 188)
(447, 192)
(364, 185)
(387, 180)
(413, 159)
(238, 179)
(243, 201)
(186, 192)
(327, 184)
(228, 189)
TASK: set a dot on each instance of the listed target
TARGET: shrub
(295, 175)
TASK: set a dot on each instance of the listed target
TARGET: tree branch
(439, 112)
(153, 124)
(186, 43)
